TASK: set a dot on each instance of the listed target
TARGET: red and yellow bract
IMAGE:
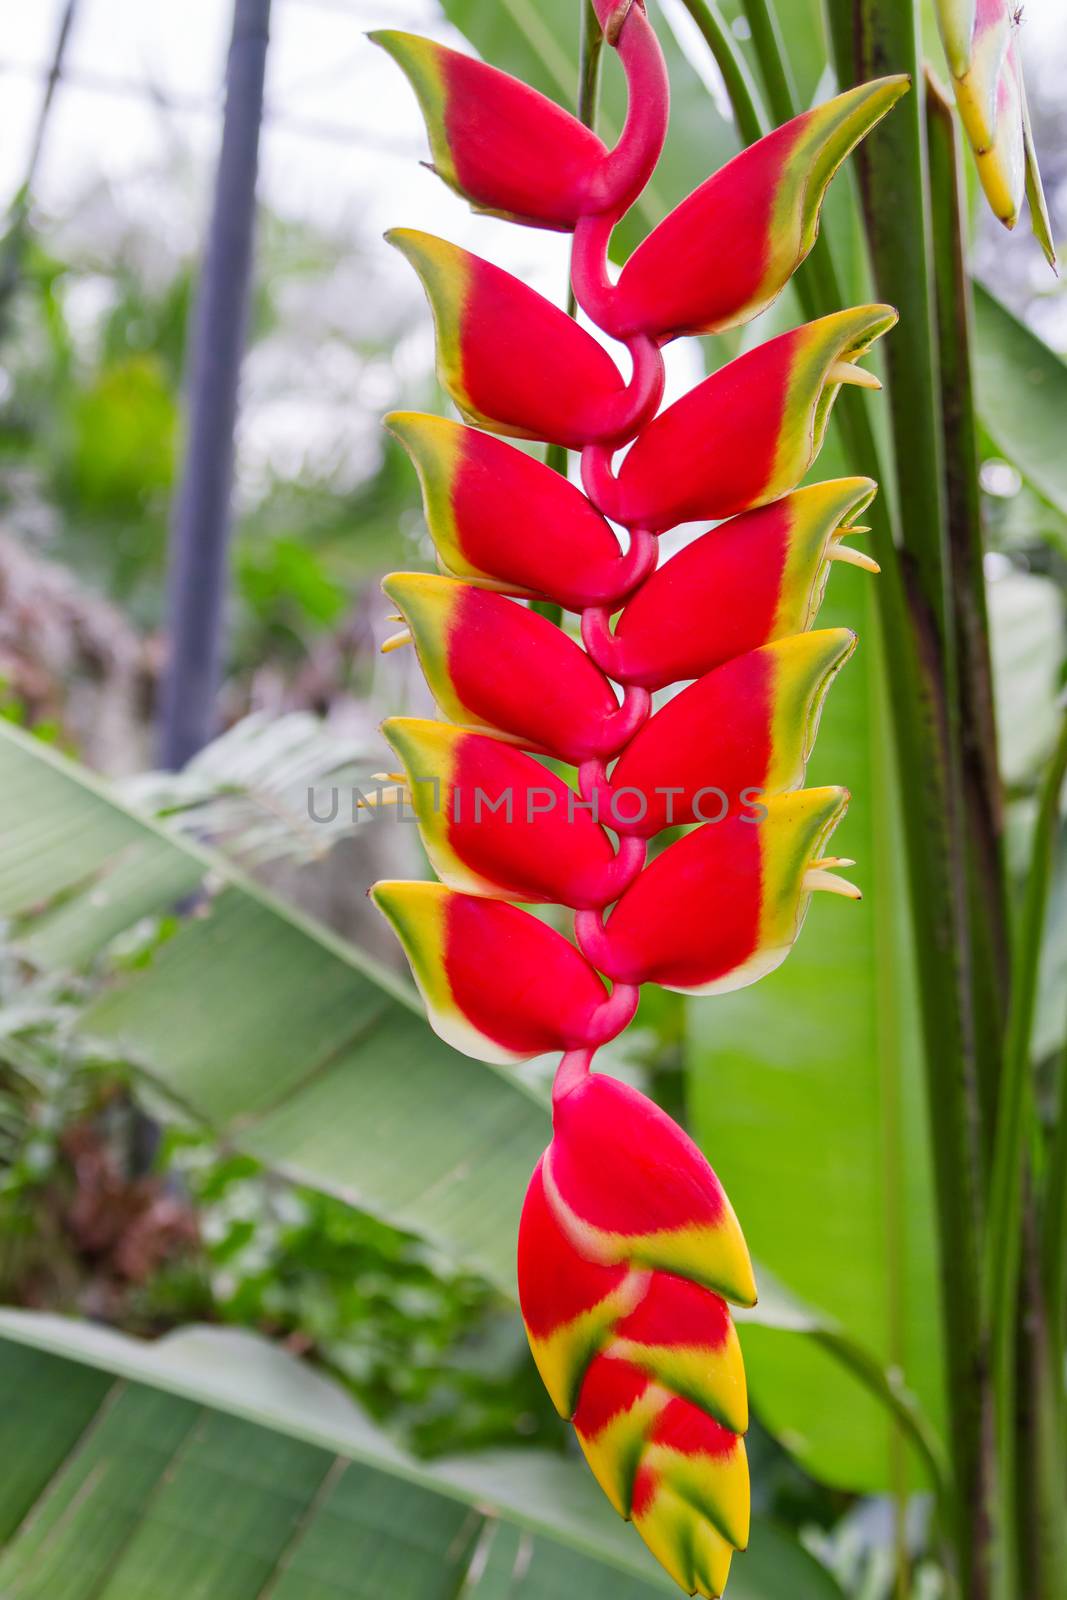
(629, 1251)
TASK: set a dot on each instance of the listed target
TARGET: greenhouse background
(258, 1324)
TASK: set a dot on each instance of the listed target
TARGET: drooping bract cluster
(982, 49)
(628, 1250)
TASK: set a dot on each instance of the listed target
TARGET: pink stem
(599, 640)
(599, 482)
(637, 563)
(623, 414)
(631, 715)
(615, 1014)
(630, 165)
(623, 176)
(620, 873)
(593, 289)
(591, 936)
(592, 776)
(572, 1071)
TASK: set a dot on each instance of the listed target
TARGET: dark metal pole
(14, 243)
(201, 518)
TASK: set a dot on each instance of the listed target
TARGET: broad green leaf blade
(805, 1092)
(537, 40)
(265, 1027)
(218, 1453)
(779, 1313)
(1022, 396)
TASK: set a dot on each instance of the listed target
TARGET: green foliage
(434, 1352)
(121, 428)
(222, 1462)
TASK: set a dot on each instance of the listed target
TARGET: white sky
(321, 70)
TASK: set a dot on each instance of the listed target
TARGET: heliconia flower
(503, 520)
(629, 1251)
(480, 652)
(723, 905)
(502, 145)
(728, 250)
(499, 984)
(743, 731)
(754, 579)
(496, 822)
(982, 50)
(627, 1244)
(745, 435)
(514, 362)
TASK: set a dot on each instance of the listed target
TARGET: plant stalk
(982, 790)
(918, 619)
(743, 94)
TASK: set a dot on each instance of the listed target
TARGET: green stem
(918, 619)
(1054, 1226)
(1014, 1123)
(1015, 1101)
(873, 37)
(774, 64)
(752, 121)
(982, 792)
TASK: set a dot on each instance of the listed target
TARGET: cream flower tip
(818, 878)
(396, 641)
(853, 558)
(849, 372)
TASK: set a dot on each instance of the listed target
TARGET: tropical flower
(629, 1253)
(982, 49)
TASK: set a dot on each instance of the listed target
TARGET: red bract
(628, 1248)
(754, 579)
(515, 363)
(505, 521)
(745, 435)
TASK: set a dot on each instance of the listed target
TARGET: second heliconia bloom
(551, 773)
(982, 49)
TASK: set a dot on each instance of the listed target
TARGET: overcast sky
(323, 75)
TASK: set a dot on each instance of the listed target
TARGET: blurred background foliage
(100, 1213)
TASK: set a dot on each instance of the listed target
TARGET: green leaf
(281, 1038)
(219, 1465)
(537, 40)
(1026, 622)
(1022, 396)
(806, 1093)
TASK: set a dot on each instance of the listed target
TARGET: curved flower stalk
(629, 1253)
(982, 49)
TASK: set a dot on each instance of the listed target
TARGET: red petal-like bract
(629, 1252)
(505, 521)
(506, 148)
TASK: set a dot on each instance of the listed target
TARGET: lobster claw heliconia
(629, 1252)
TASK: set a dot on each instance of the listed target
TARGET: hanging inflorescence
(628, 1248)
